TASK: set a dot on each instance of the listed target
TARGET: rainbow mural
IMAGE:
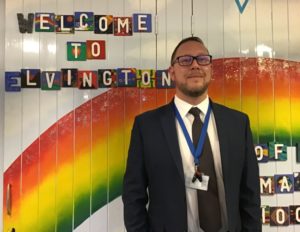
(76, 166)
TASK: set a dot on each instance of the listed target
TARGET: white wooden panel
(215, 36)
(231, 29)
(280, 28)
(249, 65)
(65, 104)
(215, 42)
(13, 105)
(218, 23)
(30, 116)
(264, 29)
(248, 31)
(132, 44)
(280, 48)
(294, 55)
(148, 56)
(48, 116)
(200, 19)
(160, 26)
(30, 97)
(294, 33)
(115, 59)
(186, 6)
(178, 20)
(99, 219)
(30, 111)
(13, 101)
(132, 58)
(2, 46)
(82, 96)
(232, 50)
(65, 95)
(48, 101)
(264, 48)
(148, 43)
(286, 200)
(115, 44)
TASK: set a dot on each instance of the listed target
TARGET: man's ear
(171, 72)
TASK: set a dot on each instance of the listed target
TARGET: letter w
(25, 25)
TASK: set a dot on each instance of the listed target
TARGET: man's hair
(192, 38)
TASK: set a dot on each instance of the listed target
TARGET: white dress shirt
(188, 161)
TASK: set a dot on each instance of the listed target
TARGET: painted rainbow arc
(76, 166)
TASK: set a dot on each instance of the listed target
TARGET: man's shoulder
(219, 108)
(155, 113)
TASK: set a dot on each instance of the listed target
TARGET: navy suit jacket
(154, 173)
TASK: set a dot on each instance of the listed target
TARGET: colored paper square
(87, 79)
(277, 151)
(12, 81)
(64, 24)
(104, 24)
(25, 25)
(122, 26)
(76, 51)
(295, 214)
(30, 78)
(145, 78)
(107, 78)
(95, 49)
(284, 183)
(265, 214)
(262, 152)
(126, 77)
(84, 21)
(51, 80)
(44, 22)
(163, 80)
(296, 181)
(279, 216)
(142, 22)
(266, 185)
(69, 77)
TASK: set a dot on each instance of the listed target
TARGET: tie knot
(195, 111)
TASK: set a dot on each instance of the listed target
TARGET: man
(192, 160)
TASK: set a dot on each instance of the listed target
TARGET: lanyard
(196, 153)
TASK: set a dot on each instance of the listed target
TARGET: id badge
(203, 185)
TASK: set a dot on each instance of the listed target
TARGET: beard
(193, 92)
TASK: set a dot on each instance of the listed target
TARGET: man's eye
(202, 59)
(186, 59)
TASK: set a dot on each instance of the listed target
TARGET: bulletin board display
(76, 81)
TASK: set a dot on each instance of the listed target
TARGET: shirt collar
(184, 107)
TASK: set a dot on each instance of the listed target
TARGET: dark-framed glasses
(188, 60)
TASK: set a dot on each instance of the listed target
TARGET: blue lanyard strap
(196, 153)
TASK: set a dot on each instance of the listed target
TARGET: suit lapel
(222, 136)
(169, 128)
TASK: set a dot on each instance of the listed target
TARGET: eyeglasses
(188, 60)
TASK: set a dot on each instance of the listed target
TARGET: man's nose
(195, 64)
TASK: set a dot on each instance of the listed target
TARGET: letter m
(266, 185)
(25, 25)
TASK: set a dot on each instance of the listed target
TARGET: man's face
(191, 80)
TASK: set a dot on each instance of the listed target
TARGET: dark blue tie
(208, 201)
